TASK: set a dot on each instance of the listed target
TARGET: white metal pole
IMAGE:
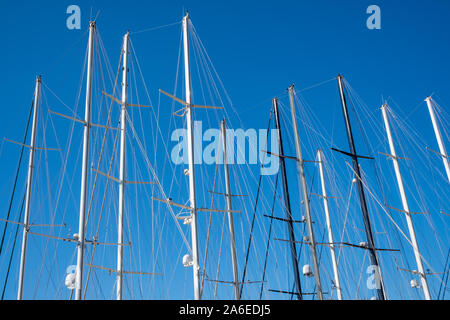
(84, 173)
(301, 173)
(230, 214)
(330, 230)
(190, 141)
(28, 192)
(123, 128)
(437, 132)
(409, 221)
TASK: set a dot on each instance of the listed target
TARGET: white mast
(26, 226)
(190, 141)
(123, 127)
(301, 173)
(84, 173)
(438, 136)
(230, 214)
(409, 221)
(330, 230)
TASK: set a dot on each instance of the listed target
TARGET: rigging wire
(268, 239)
(208, 235)
(12, 250)
(446, 272)
(100, 219)
(155, 28)
(254, 214)
(17, 175)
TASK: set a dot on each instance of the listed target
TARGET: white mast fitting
(301, 173)
(437, 132)
(84, 173)
(123, 127)
(26, 226)
(330, 230)
(230, 214)
(409, 221)
(190, 141)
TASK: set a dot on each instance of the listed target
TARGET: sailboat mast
(190, 141)
(123, 128)
(287, 205)
(438, 134)
(301, 173)
(362, 197)
(28, 191)
(84, 173)
(230, 214)
(405, 204)
(330, 230)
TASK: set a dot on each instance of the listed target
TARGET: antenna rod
(362, 197)
(230, 214)
(337, 281)
(123, 128)
(301, 174)
(26, 226)
(439, 139)
(405, 204)
(84, 173)
(287, 205)
(190, 141)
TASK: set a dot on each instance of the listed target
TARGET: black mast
(362, 196)
(287, 204)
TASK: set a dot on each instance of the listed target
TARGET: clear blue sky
(257, 47)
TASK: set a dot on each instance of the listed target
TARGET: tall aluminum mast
(362, 197)
(26, 226)
(230, 214)
(190, 141)
(123, 128)
(84, 173)
(330, 230)
(443, 151)
(304, 195)
(412, 233)
(287, 205)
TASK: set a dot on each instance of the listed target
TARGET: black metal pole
(287, 204)
(362, 196)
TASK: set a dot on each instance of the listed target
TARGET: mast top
(92, 24)
(39, 79)
(428, 98)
